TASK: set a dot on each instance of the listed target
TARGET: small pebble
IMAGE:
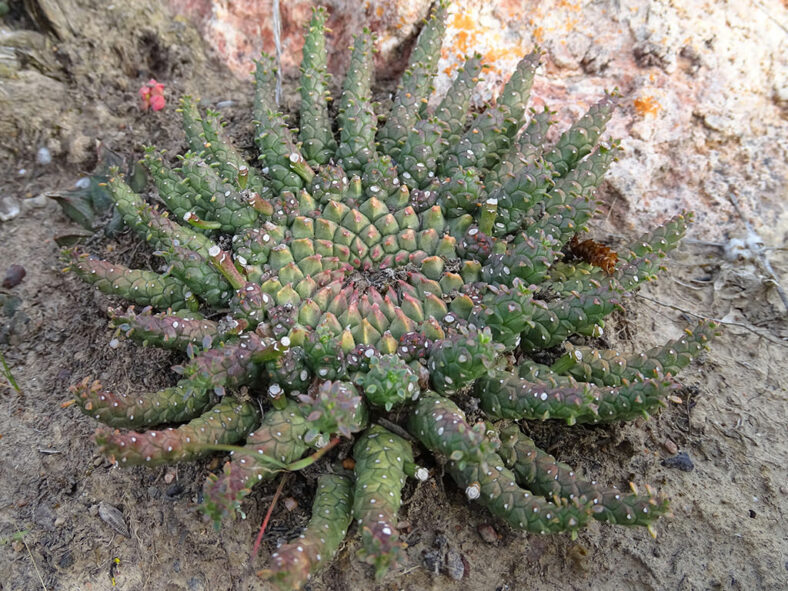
(488, 533)
(174, 490)
(169, 477)
(9, 208)
(66, 560)
(432, 561)
(44, 156)
(13, 276)
(83, 183)
(455, 566)
(37, 202)
(671, 447)
(680, 461)
(290, 503)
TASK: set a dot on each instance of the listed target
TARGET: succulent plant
(415, 263)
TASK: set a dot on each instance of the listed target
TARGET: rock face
(240, 30)
(704, 86)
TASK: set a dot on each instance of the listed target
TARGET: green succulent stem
(440, 425)
(544, 475)
(293, 563)
(380, 459)
(228, 422)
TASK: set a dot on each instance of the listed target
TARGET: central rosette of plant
(405, 263)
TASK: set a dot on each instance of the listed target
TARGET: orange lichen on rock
(647, 105)
(489, 58)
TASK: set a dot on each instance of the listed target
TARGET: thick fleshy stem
(490, 135)
(227, 422)
(150, 224)
(272, 136)
(611, 368)
(413, 93)
(196, 271)
(453, 110)
(279, 437)
(315, 124)
(552, 322)
(206, 377)
(519, 194)
(542, 474)
(232, 167)
(175, 404)
(515, 93)
(419, 153)
(440, 425)
(661, 239)
(136, 285)
(380, 458)
(172, 331)
(528, 259)
(220, 200)
(357, 120)
(578, 141)
(525, 152)
(509, 396)
(293, 563)
(458, 360)
(176, 193)
(506, 311)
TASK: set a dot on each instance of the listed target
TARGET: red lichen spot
(647, 105)
(152, 95)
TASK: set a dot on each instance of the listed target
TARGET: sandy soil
(728, 529)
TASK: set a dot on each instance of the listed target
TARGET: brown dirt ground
(728, 529)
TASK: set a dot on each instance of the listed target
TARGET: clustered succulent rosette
(411, 262)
